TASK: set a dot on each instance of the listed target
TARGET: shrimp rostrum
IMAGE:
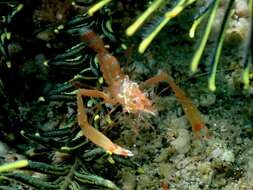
(121, 90)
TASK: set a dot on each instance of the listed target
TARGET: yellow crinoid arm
(198, 53)
(136, 25)
(145, 43)
(195, 25)
(247, 56)
(13, 165)
(94, 8)
(182, 4)
(246, 76)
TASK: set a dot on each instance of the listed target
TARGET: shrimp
(191, 111)
(121, 90)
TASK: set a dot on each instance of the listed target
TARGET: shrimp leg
(91, 133)
(191, 111)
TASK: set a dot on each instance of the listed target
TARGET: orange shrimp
(127, 93)
(121, 90)
(191, 111)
